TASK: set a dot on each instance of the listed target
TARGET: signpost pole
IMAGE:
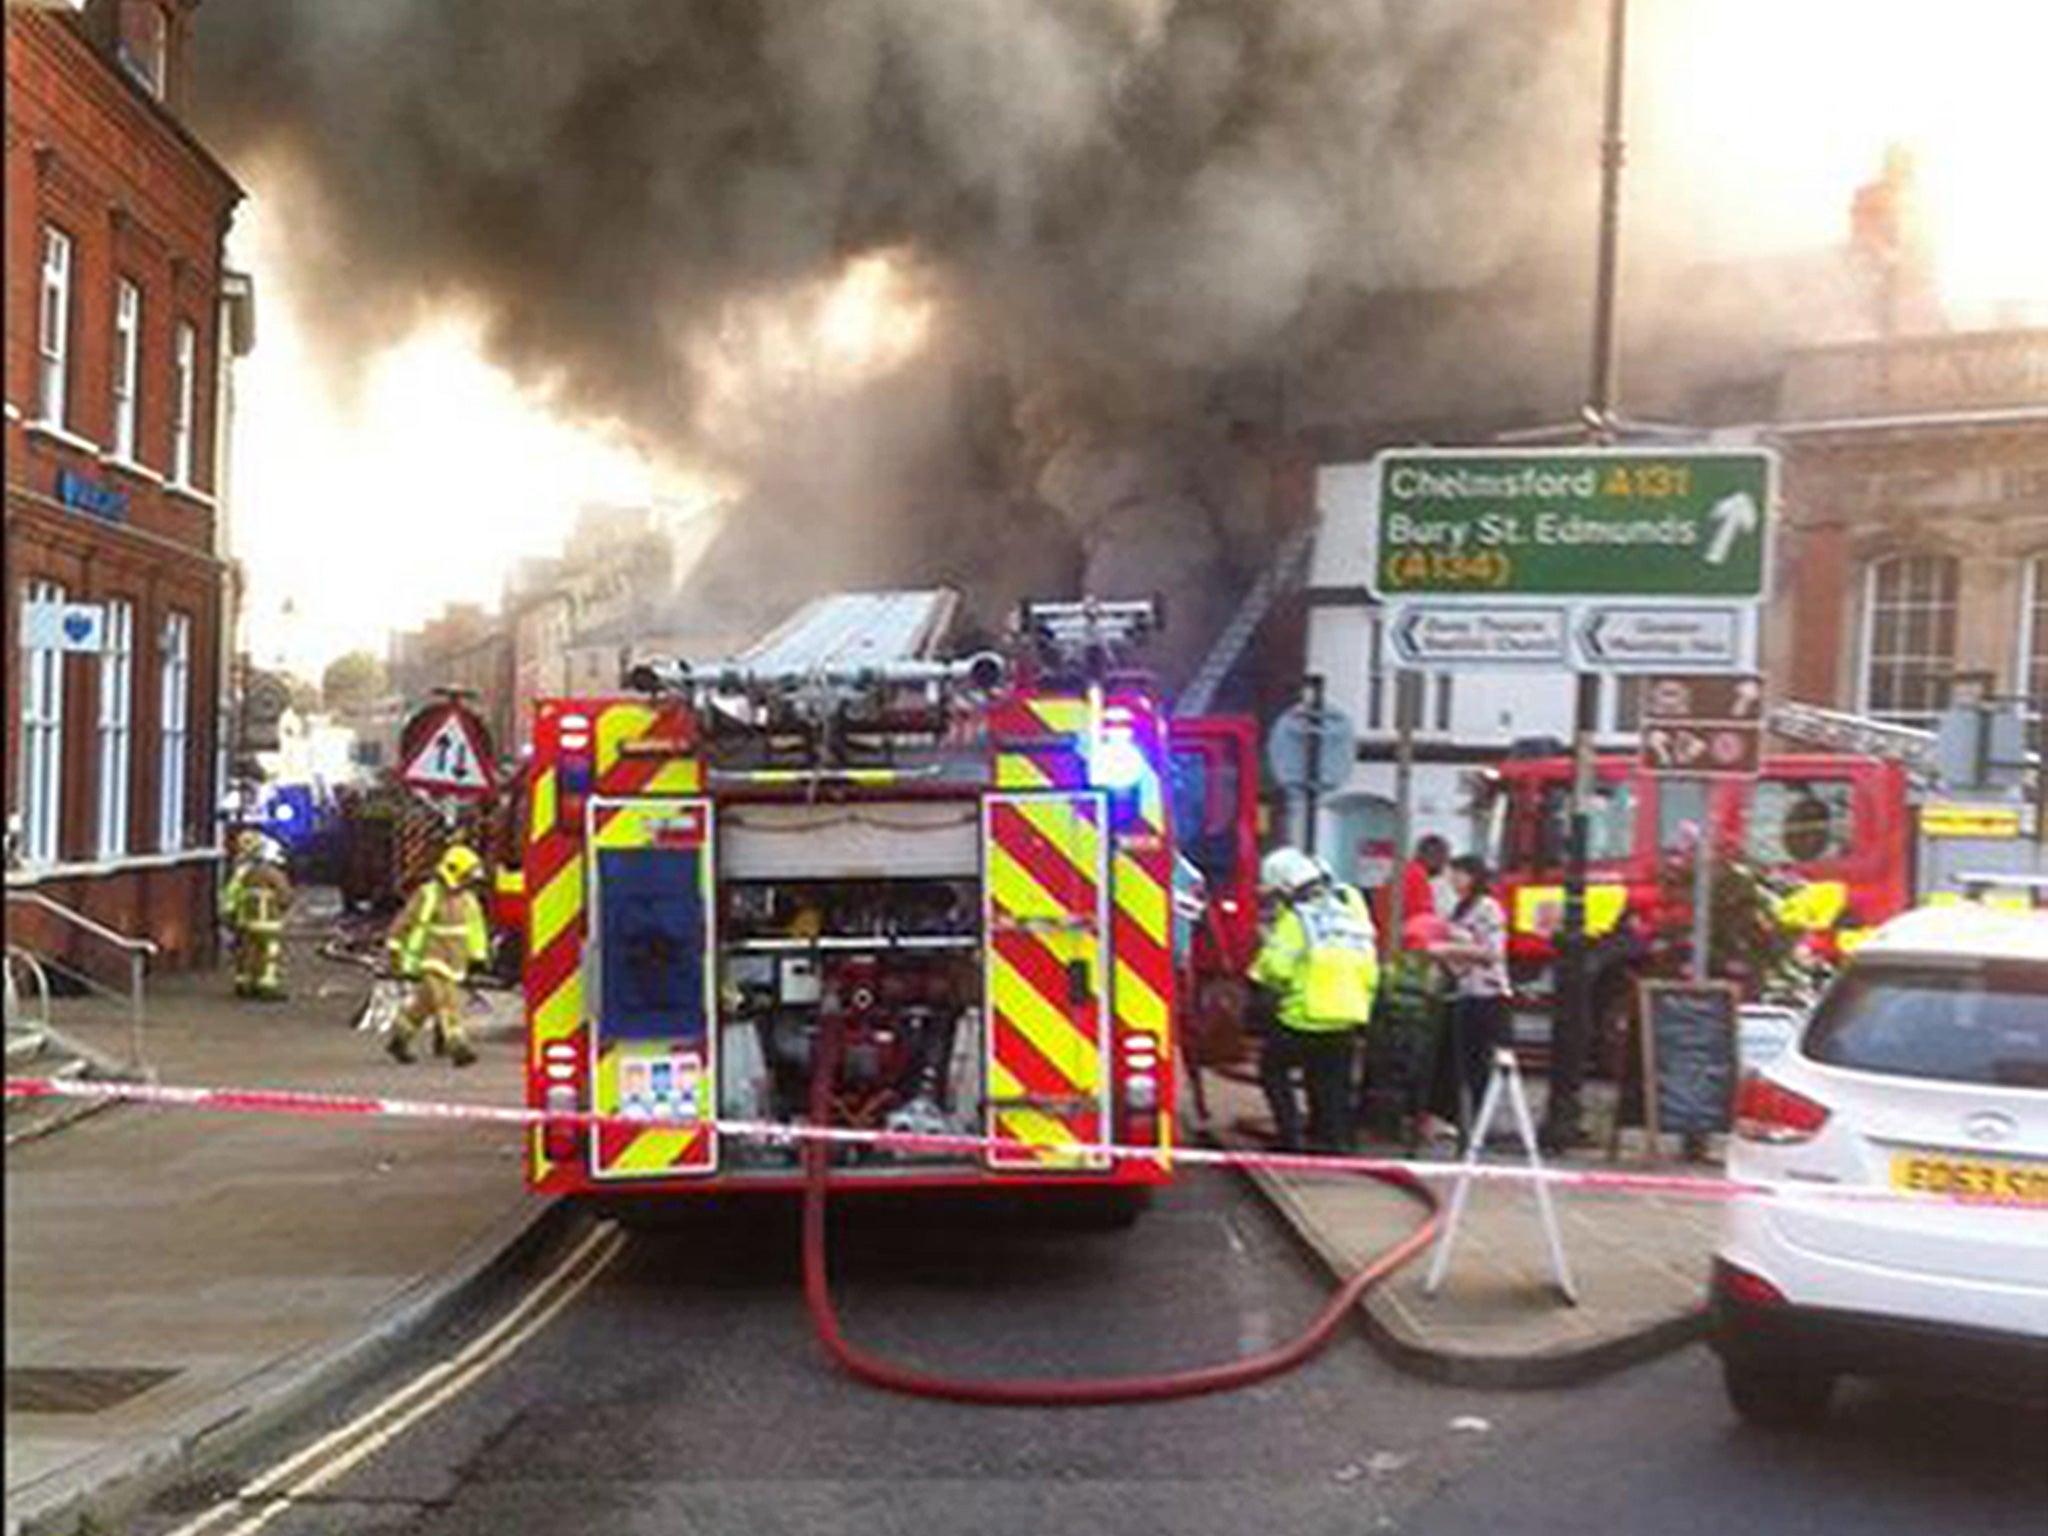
(1572, 1019)
(1703, 886)
(1311, 796)
(1613, 148)
(1407, 706)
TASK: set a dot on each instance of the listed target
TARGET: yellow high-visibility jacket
(440, 931)
(1321, 958)
(257, 897)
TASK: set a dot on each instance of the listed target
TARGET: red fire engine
(951, 878)
(1837, 828)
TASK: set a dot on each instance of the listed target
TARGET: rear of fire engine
(944, 882)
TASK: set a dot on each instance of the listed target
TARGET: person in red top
(1418, 894)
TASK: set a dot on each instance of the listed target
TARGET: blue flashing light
(1119, 761)
(282, 811)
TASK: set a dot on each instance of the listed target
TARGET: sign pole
(1703, 885)
(1613, 149)
(1407, 706)
(1573, 1016)
(1311, 797)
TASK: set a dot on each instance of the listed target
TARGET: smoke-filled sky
(708, 230)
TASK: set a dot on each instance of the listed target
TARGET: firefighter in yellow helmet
(257, 896)
(436, 939)
(1320, 964)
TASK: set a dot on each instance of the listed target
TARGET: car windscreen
(1964, 1024)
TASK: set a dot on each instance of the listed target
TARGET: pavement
(179, 1282)
(1640, 1262)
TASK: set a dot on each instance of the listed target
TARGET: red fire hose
(1055, 1393)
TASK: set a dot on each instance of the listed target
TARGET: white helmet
(1288, 871)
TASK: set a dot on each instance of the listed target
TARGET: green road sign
(1571, 523)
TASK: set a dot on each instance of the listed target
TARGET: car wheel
(1777, 1394)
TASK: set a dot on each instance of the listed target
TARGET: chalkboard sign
(1688, 1038)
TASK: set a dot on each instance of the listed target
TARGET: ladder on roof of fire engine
(1289, 565)
(851, 631)
(1832, 728)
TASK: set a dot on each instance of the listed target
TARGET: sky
(1751, 122)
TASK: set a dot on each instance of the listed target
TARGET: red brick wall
(89, 150)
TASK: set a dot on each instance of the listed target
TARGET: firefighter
(1319, 962)
(257, 896)
(435, 941)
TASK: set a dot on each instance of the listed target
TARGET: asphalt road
(682, 1393)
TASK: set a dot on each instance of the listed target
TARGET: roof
(1964, 931)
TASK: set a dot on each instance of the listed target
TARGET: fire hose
(1075, 1392)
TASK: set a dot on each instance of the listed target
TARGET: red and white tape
(300, 1103)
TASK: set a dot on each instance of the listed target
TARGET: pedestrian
(435, 941)
(258, 895)
(1474, 949)
(1419, 877)
(1319, 961)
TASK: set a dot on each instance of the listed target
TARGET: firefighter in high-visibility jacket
(435, 941)
(1319, 963)
(257, 896)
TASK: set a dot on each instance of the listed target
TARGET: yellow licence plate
(1995, 1180)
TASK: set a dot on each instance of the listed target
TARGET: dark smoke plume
(1113, 207)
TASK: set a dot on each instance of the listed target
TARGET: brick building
(119, 318)
(1915, 543)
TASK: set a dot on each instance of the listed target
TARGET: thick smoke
(1117, 210)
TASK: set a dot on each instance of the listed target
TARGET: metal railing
(138, 952)
(26, 1030)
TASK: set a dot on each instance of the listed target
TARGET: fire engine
(1860, 831)
(951, 877)
(1835, 828)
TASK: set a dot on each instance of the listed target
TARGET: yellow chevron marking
(559, 1014)
(652, 1152)
(1137, 1004)
(1014, 890)
(1003, 1083)
(1017, 770)
(542, 804)
(677, 778)
(1064, 717)
(1070, 829)
(556, 905)
(618, 723)
(1049, 1029)
(1142, 898)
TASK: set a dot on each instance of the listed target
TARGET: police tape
(304, 1103)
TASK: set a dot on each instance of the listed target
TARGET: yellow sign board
(1970, 821)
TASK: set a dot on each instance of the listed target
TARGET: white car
(1923, 1073)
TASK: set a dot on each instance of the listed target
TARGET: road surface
(680, 1392)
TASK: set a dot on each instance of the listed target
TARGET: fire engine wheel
(1104, 1210)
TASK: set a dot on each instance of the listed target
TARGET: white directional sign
(64, 626)
(1661, 639)
(451, 760)
(1426, 636)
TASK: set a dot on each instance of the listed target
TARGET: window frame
(184, 390)
(174, 728)
(127, 370)
(1899, 661)
(40, 788)
(2030, 661)
(116, 730)
(53, 328)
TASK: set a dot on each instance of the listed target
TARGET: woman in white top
(1475, 952)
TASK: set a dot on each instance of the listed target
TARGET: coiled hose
(1063, 1392)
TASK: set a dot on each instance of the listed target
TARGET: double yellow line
(264, 1498)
